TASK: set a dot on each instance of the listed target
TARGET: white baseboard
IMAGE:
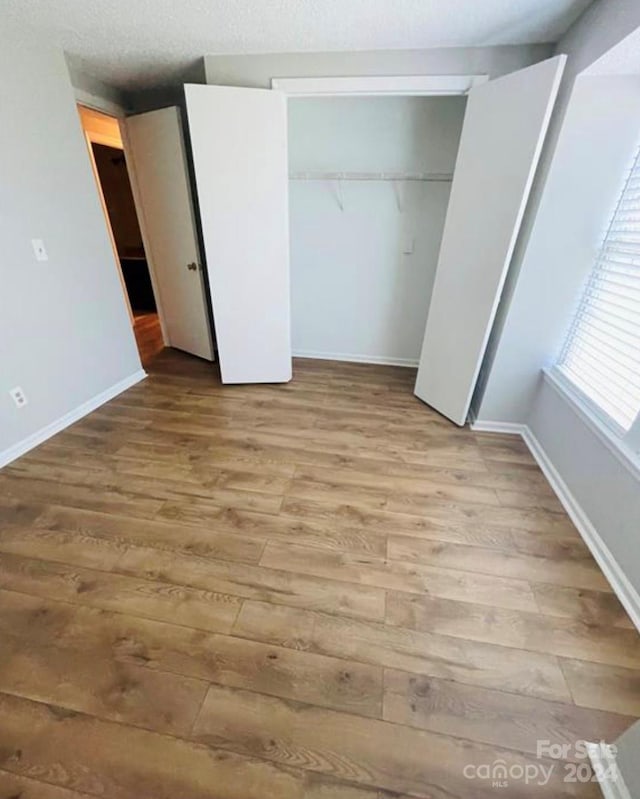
(32, 441)
(617, 579)
(626, 593)
(611, 782)
(349, 358)
(478, 426)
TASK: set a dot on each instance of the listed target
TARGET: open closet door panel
(504, 127)
(239, 147)
(155, 144)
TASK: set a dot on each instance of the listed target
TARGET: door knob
(192, 266)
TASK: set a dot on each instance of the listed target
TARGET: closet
(361, 198)
(369, 183)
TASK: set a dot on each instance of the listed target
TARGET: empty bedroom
(320, 399)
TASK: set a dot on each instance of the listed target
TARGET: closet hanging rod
(438, 177)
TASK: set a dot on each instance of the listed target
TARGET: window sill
(625, 455)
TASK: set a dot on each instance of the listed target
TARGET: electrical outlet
(18, 396)
(39, 250)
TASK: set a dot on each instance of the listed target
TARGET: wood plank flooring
(320, 590)
(148, 333)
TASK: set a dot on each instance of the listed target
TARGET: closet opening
(113, 183)
(359, 208)
(499, 135)
(369, 185)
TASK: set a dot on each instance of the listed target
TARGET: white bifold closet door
(155, 143)
(239, 148)
(505, 124)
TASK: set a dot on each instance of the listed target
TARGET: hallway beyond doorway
(148, 335)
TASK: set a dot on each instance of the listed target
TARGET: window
(601, 356)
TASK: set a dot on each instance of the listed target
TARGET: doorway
(110, 169)
(369, 185)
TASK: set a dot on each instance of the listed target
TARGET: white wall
(64, 330)
(526, 332)
(257, 70)
(602, 485)
(599, 137)
(595, 138)
(355, 293)
(604, 25)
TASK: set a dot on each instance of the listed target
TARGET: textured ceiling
(138, 43)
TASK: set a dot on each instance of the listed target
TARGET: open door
(155, 144)
(239, 148)
(504, 128)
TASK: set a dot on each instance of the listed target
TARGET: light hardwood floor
(319, 590)
(148, 333)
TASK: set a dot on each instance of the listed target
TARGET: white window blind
(601, 355)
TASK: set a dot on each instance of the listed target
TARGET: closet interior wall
(369, 186)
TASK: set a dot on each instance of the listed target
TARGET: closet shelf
(438, 177)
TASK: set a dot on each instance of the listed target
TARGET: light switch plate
(39, 250)
(408, 245)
